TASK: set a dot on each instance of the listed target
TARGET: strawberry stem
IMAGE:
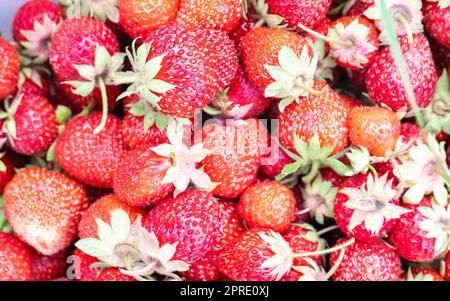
(102, 86)
(324, 252)
(212, 111)
(324, 37)
(312, 172)
(336, 264)
(327, 229)
(400, 18)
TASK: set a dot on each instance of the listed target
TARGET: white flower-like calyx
(102, 10)
(281, 262)
(437, 225)
(318, 196)
(264, 17)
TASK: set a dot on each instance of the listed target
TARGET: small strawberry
(113, 274)
(44, 207)
(15, 259)
(436, 19)
(366, 262)
(81, 266)
(376, 129)
(383, 80)
(421, 274)
(9, 67)
(267, 205)
(48, 267)
(88, 157)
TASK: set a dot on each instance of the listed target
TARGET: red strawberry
(221, 14)
(191, 220)
(204, 269)
(331, 176)
(245, 25)
(113, 274)
(135, 135)
(48, 267)
(410, 132)
(267, 205)
(303, 238)
(32, 126)
(437, 21)
(81, 268)
(139, 17)
(44, 207)
(383, 80)
(9, 68)
(8, 173)
(138, 177)
(366, 262)
(88, 157)
(307, 12)
(101, 209)
(447, 267)
(272, 163)
(421, 274)
(15, 259)
(360, 7)
(41, 88)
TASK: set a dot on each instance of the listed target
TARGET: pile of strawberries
(237, 140)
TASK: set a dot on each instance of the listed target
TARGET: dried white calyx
(318, 196)
(407, 16)
(185, 160)
(423, 172)
(355, 46)
(37, 44)
(437, 225)
(281, 262)
(372, 204)
(264, 17)
(102, 10)
(294, 77)
(326, 63)
(132, 249)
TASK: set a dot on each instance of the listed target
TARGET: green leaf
(2, 166)
(161, 121)
(289, 169)
(149, 120)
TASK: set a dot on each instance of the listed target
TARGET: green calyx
(311, 157)
(419, 277)
(437, 114)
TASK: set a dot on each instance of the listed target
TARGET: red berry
(15, 259)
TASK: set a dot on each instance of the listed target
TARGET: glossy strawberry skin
(199, 63)
(36, 126)
(267, 205)
(81, 266)
(437, 22)
(322, 114)
(409, 239)
(307, 12)
(343, 214)
(384, 85)
(273, 162)
(101, 209)
(15, 259)
(138, 178)
(9, 68)
(49, 267)
(135, 135)
(34, 11)
(44, 208)
(113, 274)
(366, 262)
(91, 158)
(6, 176)
(191, 219)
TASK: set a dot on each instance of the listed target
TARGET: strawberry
(15, 259)
(383, 81)
(331, 176)
(359, 7)
(421, 235)
(261, 46)
(204, 269)
(101, 209)
(267, 205)
(366, 208)
(436, 19)
(224, 14)
(190, 220)
(447, 266)
(273, 162)
(6, 174)
(135, 135)
(34, 25)
(82, 268)
(48, 267)
(113, 274)
(421, 274)
(306, 12)
(139, 17)
(9, 67)
(376, 129)
(88, 157)
(303, 238)
(31, 125)
(44, 207)
(411, 133)
(41, 88)
(244, 26)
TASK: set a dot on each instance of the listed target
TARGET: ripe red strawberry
(235, 157)
(81, 268)
(447, 267)
(48, 267)
(322, 114)
(31, 87)
(191, 219)
(410, 132)
(273, 162)
(244, 26)
(437, 21)
(101, 209)
(44, 207)
(32, 128)
(331, 176)
(204, 269)
(135, 135)
(267, 205)
(383, 80)
(360, 7)
(366, 208)
(307, 12)
(91, 158)
(139, 17)
(261, 46)
(409, 235)
(8, 173)
(366, 262)
(138, 177)
(113, 274)
(303, 238)
(15, 259)
(376, 129)
(421, 274)
(9, 68)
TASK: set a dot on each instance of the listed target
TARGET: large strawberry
(191, 220)
(44, 207)
(9, 68)
(436, 20)
(366, 262)
(383, 79)
(88, 157)
(15, 259)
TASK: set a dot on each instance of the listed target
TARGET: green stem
(212, 111)
(400, 18)
(327, 229)
(324, 37)
(102, 86)
(312, 172)
(336, 264)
